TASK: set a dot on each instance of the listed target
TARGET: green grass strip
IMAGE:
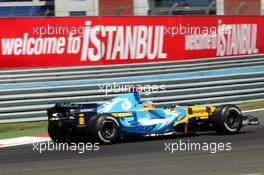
(22, 129)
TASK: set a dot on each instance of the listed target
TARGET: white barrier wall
(220, 7)
(262, 7)
(141, 7)
(65, 7)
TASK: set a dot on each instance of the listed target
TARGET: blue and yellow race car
(128, 116)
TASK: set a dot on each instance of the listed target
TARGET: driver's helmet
(149, 104)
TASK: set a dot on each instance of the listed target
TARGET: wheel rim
(233, 120)
(108, 129)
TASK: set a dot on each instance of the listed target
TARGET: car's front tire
(227, 119)
(103, 129)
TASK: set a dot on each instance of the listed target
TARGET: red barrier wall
(45, 42)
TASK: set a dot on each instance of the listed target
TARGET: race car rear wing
(71, 111)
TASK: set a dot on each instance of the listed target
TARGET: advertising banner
(89, 41)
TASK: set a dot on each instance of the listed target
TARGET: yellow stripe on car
(122, 114)
(198, 112)
(81, 119)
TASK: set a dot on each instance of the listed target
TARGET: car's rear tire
(58, 134)
(103, 129)
(227, 119)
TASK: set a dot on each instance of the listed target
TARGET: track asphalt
(146, 157)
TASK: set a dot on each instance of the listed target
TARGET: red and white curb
(24, 140)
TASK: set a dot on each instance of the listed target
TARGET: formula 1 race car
(127, 115)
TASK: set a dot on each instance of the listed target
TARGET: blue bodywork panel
(142, 120)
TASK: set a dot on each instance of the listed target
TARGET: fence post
(239, 7)
(173, 8)
(119, 10)
(207, 12)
